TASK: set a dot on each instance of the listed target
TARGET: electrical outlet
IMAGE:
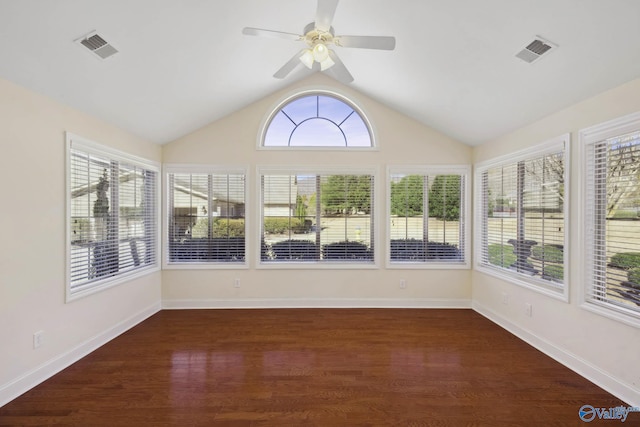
(403, 284)
(236, 283)
(37, 339)
(528, 309)
(505, 298)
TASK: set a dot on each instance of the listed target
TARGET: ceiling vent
(98, 45)
(535, 50)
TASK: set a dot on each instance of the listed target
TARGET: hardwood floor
(313, 367)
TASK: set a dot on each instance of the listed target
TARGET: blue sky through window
(317, 121)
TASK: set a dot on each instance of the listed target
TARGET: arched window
(318, 119)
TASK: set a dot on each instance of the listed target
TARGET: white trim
(99, 286)
(426, 265)
(519, 279)
(315, 265)
(168, 168)
(562, 142)
(463, 170)
(610, 129)
(619, 314)
(258, 303)
(49, 368)
(548, 147)
(625, 392)
(80, 143)
(348, 169)
(590, 135)
(310, 91)
(75, 142)
(429, 169)
(192, 168)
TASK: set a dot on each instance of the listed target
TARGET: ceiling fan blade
(289, 66)
(366, 42)
(339, 71)
(324, 14)
(249, 31)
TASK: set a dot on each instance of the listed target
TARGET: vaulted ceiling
(184, 63)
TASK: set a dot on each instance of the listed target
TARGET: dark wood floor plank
(312, 367)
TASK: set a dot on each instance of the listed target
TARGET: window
(112, 216)
(206, 217)
(612, 216)
(317, 119)
(523, 217)
(428, 208)
(317, 217)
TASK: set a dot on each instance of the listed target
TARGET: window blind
(613, 222)
(427, 222)
(113, 217)
(206, 217)
(317, 218)
(523, 217)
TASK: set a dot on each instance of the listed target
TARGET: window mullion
(318, 209)
(113, 218)
(425, 214)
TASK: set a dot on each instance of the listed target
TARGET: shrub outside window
(522, 217)
(428, 210)
(205, 217)
(317, 217)
(112, 216)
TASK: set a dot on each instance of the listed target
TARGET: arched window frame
(266, 122)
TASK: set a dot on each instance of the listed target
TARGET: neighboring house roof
(226, 188)
(279, 190)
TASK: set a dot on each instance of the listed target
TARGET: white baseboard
(315, 303)
(24, 383)
(606, 381)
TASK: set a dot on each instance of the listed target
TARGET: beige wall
(232, 140)
(605, 350)
(32, 256)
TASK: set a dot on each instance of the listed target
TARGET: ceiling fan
(318, 36)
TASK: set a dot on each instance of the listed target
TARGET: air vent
(98, 45)
(535, 50)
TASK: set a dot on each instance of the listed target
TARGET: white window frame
(594, 134)
(425, 170)
(320, 170)
(350, 101)
(76, 142)
(550, 146)
(203, 169)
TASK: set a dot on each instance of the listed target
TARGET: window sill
(95, 287)
(205, 266)
(619, 314)
(313, 265)
(409, 265)
(559, 292)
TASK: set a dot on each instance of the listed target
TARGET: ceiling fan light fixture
(327, 63)
(307, 58)
(320, 52)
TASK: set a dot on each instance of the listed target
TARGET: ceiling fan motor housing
(313, 36)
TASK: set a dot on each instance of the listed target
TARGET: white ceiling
(184, 63)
